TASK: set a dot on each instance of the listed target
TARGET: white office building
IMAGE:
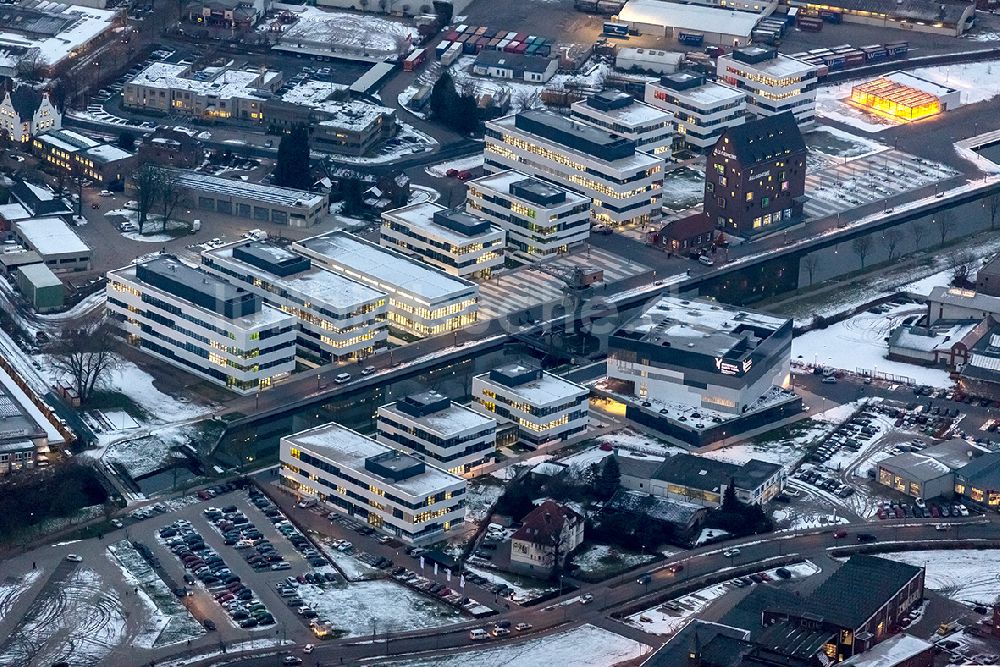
(701, 109)
(445, 434)
(423, 301)
(202, 324)
(455, 242)
(393, 492)
(625, 185)
(775, 83)
(650, 128)
(545, 407)
(338, 318)
(541, 219)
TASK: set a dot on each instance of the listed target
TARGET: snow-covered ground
(168, 621)
(976, 82)
(600, 558)
(835, 142)
(858, 344)
(440, 170)
(585, 646)
(786, 454)
(143, 455)
(81, 621)
(479, 498)
(11, 588)
(522, 587)
(661, 620)
(393, 607)
(964, 575)
(408, 140)
(708, 534)
(350, 33)
(637, 442)
(352, 568)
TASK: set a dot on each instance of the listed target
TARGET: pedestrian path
(526, 287)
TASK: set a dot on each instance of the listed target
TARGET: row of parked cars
(205, 564)
(286, 528)
(920, 510)
(823, 479)
(239, 533)
(437, 589)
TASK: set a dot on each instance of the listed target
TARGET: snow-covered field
(585, 646)
(393, 607)
(168, 621)
(835, 142)
(637, 442)
(479, 498)
(965, 575)
(11, 588)
(601, 559)
(859, 343)
(81, 621)
(440, 170)
(522, 587)
(977, 82)
(352, 568)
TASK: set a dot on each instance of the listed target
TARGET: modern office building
(700, 354)
(702, 109)
(73, 153)
(625, 185)
(650, 128)
(250, 201)
(200, 323)
(755, 179)
(775, 82)
(433, 428)
(455, 242)
(338, 318)
(423, 301)
(540, 219)
(394, 492)
(212, 92)
(545, 407)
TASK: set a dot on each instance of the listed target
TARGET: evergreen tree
(292, 167)
(729, 501)
(610, 477)
(444, 97)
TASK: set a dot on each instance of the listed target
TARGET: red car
(839, 534)
(935, 512)
(464, 175)
(675, 568)
(451, 173)
(881, 513)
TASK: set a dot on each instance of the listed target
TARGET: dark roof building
(988, 277)
(949, 17)
(756, 175)
(505, 65)
(708, 639)
(979, 480)
(681, 516)
(858, 590)
(703, 481)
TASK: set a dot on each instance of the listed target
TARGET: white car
(308, 648)
(74, 558)
(731, 553)
(587, 599)
(706, 260)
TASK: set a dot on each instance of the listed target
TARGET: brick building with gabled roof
(547, 536)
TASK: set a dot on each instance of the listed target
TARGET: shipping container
(481, 30)
(492, 44)
(532, 49)
(691, 38)
(452, 36)
(414, 60)
(810, 23)
(612, 29)
(481, 44)
(469, 47)
(831, 16)
(874, 53)
(462, 28)
(451, 55)
(585, 6)
(834, 62)
(490, 32)
(441, 48)
(610, 7)
(512, 47)
(897, 49)
(792, 12)
(822, 71)
(854, 58)
(544, 49)
(504, 43)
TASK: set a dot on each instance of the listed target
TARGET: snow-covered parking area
(967, 575)
(585, 646)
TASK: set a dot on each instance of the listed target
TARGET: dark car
(866, 538)
(209, 624)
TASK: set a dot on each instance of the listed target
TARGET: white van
(342, 378)
(478, 633)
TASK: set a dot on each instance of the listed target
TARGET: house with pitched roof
(547, 536)
(27, 111)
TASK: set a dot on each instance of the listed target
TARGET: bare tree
(27, 65)
(86, 356)
(942, 223)
(918, 230)
(147, 184)
(892, 239)
(171, 195)
(993, 205)
(525, 100)
(466, 87)
(862, 245)
(810, 263)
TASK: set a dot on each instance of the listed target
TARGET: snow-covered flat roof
(346, 30)
(83, 25)
(321, 286)
(893, 651)
(453, 419)
(502, 180)
(350, 449)
(352, 116)
(633, 115)
(222, 82)
(779, 66)
(51, 236)
(544, 390)
(108, 153)
(689, 17)
(14, 212)
(21, 399)
(311, 93)
(271, 194)
(709, 94)
(395, 272)
(420, 217)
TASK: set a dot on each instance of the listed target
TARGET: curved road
(701, 567)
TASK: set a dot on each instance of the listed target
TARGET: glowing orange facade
(893, 99)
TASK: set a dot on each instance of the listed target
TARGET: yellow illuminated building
(895, 100)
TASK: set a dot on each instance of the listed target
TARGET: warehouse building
(42, 288)
(338, 318)
(251, 201)
(423, 301)
(433, 428)
(905, 97)
(775, 83)
(625, 185)
(395, 493)
(717, 25)
(520, 67)
(953, 17)
(458, 243)
(979, 481)
(202, 324)
(702, 109)
(929, 473)
(544, 406)
(619, 113)
(539, 218)
(58, 245)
